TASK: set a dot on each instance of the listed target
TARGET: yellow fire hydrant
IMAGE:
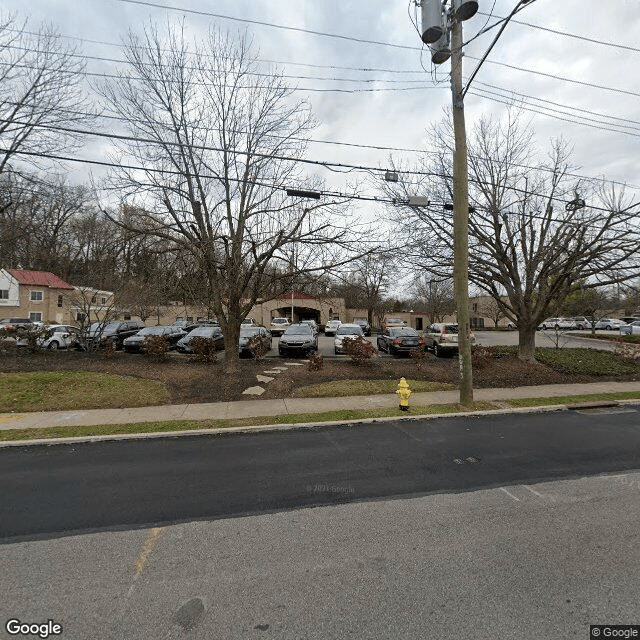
(404, 392)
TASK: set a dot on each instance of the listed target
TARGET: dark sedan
(298, 338)
(212, 332)
(247, 332)
(365, 326)
(400, 340)
(136, 342)
(115, 332)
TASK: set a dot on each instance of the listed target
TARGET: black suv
(115, 332)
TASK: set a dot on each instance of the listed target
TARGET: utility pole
(442, 30)
(461, 217)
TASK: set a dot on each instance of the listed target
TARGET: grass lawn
(68, 390)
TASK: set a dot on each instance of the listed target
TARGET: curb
(277, 427)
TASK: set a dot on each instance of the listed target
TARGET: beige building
(37, 295)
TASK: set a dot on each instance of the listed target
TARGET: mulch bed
(191, 382)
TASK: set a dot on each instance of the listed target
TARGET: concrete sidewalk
(256, 408)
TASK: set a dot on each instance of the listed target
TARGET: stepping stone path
(258, 391)
(253, 391)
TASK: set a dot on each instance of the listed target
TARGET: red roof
(39, 279)
(297, 295)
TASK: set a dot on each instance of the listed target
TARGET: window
(35, 316)
(127, 316)
(80, 317)
(4, 294)
(475, 307)
(103, 300)
(60, 301)
(36, 296)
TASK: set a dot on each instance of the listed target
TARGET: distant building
(37, 295)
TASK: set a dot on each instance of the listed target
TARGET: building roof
(39, 279)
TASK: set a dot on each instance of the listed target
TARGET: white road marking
(510, 494)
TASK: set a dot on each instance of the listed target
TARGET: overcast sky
(393, 105)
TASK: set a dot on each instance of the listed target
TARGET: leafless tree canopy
(218, 138)
(41, 92)
(535, 229)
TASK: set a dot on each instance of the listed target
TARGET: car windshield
(152, 331)
(205, 332)
(112, 326)
(279, 321)
(303, 329)
(353, 330)
(451, 328)
(403, 332)
(249, 331)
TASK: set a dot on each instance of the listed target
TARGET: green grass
(585, 361)
(192, 425)
(537, 402)
(68, 390)
(342, 388)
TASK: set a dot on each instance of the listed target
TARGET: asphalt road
(55, 490)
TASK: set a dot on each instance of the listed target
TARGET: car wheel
(556, 327)
(436, 351)
(54, 346)
(544, 327)
(608, 327)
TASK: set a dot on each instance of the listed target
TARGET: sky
(574, 66)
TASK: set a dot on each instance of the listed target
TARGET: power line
(566, 34)
(556, 77)
(270, 24)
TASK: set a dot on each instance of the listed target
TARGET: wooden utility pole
(461, 217)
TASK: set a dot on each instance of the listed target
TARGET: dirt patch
(190, 382)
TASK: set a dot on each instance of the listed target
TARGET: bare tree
(436, 296)
(219, 139)
(493, 310)
(42, 97)
(534, 231)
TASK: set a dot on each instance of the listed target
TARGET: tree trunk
(526, 342)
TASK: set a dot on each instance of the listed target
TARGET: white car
(556, 324)
(346, 331)
(63, 336)
(278, 326)
(631, 329)
(610, 324)
(331, 327)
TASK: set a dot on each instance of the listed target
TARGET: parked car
(631, 329)
(278, 326)
(61, 336)
(247, 332)
(313, 324)
(249, 322)
(442, 338)
(298, 338)
(331, 327)
(581, 322)
(366, 327)
(556, 324)
(136, 342)
(346, 331)
(397, 340)
(203, 331)
(630, 319)
(387, 323)
(609, 324)
(11, 323)
(115, 332)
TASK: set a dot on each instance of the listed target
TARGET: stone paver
(264, 378)
(253, 391)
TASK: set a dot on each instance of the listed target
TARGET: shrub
(204, 350)
(358, 349)
(258, 347)
(316, 362)
(481, 356)
(419, 357)
(108, 347)
(156, 347)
